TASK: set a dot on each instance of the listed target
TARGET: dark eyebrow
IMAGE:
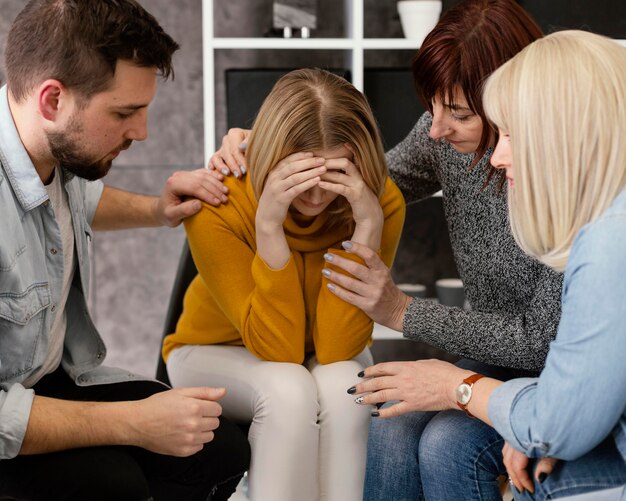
(130, 106)
(456, 107)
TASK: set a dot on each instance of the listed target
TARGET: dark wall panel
(246, 89)
(606, 17)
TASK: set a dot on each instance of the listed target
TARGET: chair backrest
(185, 273)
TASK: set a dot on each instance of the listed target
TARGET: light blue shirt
(31, 280)
(580, 397)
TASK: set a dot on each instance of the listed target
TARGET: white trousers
(308, 437)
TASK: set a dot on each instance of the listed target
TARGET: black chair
(185, 273)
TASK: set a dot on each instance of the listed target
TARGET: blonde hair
(563, 102)
(312, 109)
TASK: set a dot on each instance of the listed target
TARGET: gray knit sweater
(515, 300)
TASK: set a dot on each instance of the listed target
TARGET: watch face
(463, 393)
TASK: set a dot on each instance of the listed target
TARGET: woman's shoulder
(240, 194)
(240, 207)
(392, 197)
(617, 210)
(603, 241)
(417, 138)
(418, 150)
(391, 191)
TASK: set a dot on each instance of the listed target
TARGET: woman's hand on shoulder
(370, 286)
(230, 158)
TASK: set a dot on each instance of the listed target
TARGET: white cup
(418, 17)
(413, 290)
(450, 292)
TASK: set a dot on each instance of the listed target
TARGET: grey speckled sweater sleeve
(412, 164)
(515, 301)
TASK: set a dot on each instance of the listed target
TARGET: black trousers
(124, 473)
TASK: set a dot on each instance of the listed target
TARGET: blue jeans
(435, 455)
(602, 468)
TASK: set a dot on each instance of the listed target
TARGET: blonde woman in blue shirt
(560, 108)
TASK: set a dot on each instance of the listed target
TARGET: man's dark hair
(79, 42)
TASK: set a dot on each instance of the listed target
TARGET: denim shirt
(580, 397)
(31, 275)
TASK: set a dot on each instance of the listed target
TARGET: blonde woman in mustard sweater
(259, 318)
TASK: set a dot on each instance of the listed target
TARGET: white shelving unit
(353, 43)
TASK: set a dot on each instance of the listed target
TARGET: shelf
(282, 43)
(389, 43)
(381, 333)
(313, 43)
(319, 43)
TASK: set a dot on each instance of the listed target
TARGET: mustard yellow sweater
(279, 315)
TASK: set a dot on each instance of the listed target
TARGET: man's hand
(177, 422)
(183, 193)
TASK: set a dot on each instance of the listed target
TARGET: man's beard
(65, 148)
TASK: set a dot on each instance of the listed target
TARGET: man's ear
(51, 96)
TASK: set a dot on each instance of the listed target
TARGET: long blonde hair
(563, 102)
(312, 109)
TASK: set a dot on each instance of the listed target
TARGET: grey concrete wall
(134, 271)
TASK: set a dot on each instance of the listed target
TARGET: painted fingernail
(224, 198)
(352, 390)
(326, 272)
(243, 146)
(346, 245)
(224, 171)
(375, 414)
(328, 257)
(243, 169)
(236, 174)
(542, 477)
(361, 374)
(358, 400)
(331, 287)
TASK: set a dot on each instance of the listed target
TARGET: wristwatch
(464, 392)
